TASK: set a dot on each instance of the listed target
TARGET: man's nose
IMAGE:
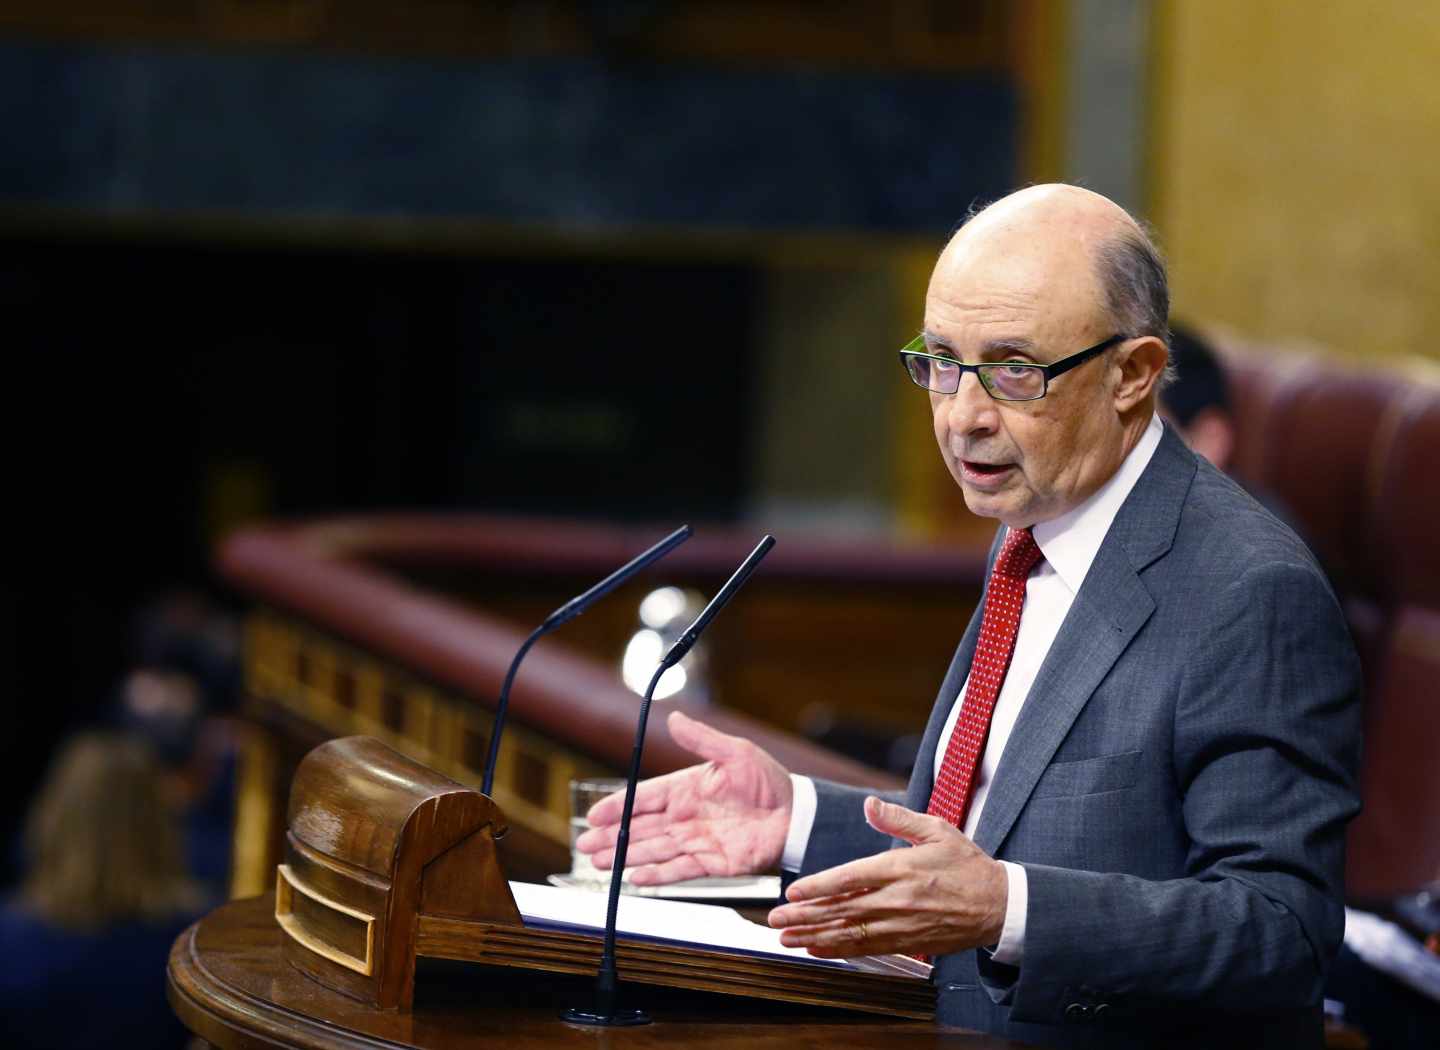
(970, 410)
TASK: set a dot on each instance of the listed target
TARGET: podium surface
(230, 983)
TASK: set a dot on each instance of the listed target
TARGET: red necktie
(1005, 597)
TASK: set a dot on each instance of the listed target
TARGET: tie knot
(1018, 554)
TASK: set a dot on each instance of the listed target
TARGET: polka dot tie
(1005, 597)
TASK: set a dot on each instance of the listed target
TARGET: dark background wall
(576, 141)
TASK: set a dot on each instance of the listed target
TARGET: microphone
(567, 612)
(686, 641)
(606, 1012)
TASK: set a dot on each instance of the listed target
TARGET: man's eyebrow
(991, 347)
(1014, 345)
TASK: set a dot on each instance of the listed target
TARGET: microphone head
(687, 640)
(575, 606)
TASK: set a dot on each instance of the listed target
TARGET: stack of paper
(698, 925)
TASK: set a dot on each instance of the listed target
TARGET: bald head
(1056, 213)
(1079, 240)
(1035, 278)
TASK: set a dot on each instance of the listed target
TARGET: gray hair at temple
(1137, 290)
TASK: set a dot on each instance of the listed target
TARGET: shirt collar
(1071, 541)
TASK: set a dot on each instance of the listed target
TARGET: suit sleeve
(841, 833)
(1266, 743)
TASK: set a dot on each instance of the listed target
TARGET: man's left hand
(942, 895)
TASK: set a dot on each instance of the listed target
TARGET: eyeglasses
(1002, 380)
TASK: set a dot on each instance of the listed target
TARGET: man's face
(999, 298)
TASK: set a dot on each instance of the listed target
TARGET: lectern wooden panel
(375, 839)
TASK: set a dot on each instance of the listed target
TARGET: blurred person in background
(184, 630)
(168, 711)
(84, 942)
(178, 698)
(1198, 401)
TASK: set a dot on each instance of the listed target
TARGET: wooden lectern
(374, 841)
(386, 861)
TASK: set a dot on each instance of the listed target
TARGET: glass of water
(583, 795)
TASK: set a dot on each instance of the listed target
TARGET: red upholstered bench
(1354, 455)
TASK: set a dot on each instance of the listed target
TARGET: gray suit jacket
(1177, 788)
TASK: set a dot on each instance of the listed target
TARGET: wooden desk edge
(228, 1018)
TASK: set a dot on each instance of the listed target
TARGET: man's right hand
(727, 816)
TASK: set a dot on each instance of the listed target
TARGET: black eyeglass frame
(915, 348)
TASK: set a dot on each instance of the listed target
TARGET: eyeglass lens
(934, 375)
(1012, 382)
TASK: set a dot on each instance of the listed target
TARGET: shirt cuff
(1011, 949)
(802, 819)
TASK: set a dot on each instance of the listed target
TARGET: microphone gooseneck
(607, 1012)
(567, 612)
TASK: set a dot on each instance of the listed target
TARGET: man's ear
(1139, 365)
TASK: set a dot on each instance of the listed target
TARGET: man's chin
(987, 504)
(1007, 506)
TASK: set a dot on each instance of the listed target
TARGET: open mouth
(984, 474)
(985, 469)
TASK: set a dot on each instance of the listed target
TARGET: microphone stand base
(618, 1018)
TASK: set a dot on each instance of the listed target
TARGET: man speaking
(1125, 825)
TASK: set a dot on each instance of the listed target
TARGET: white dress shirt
(1069, 544)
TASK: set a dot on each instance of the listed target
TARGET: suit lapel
(1101, 622)
(1112, 606)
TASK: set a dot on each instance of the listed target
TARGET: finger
(826, 909)
(609, 808)
(700, 739)
(685, 866)
(804, 936)
(843, 940)
(651, 796)
(652, 825)
(866, 873)
(901, 823)
(650, 851)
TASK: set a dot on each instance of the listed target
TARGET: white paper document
(757, 888)
(1390, 949)
(702, 925)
